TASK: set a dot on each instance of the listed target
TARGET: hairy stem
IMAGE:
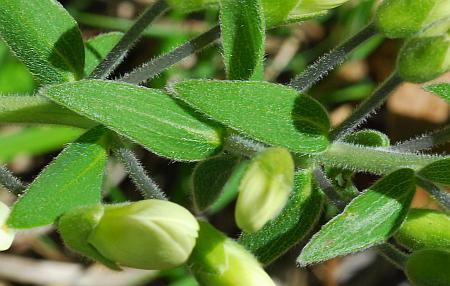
(369, 106)
(154, 67)
(337, 56)
(39, 110)
(10, 182)
(118, 53)
(374, 160)
(148, 187)
(441, 196)
(327, 187)
(239, 145)
(393, 255)
(425, 142)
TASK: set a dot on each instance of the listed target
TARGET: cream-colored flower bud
(264, 188)
(6, 234)
(149, 234)
(218, 260)
(315, 6)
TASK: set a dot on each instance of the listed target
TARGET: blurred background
(38, 256)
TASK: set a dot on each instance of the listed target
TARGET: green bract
(217, 260)
(429, 267)
(425, 229)
(267, 184)
(404, 18)
(6, 234)
(149, 234)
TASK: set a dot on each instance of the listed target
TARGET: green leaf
(148, 116)
(429, 267)
(441, 89)
(438, 172)
(45, 37)
(242, 26)
(35, 141)
(37, 110)
(295, 221)
(368, 137)
(209, 179)
(267, 112)
(73, 179)
(276, 12)
(368, 220)
(97, 48)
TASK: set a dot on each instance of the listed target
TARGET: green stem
(374, 160)
(154, 67)
(38, 110)
(368, 107)
(425, 142)
(393, 255)
(337, 56)
(242, 146)
(148, 187)
(327, 187)
(115, 57)
(10, 182)
(441, 196)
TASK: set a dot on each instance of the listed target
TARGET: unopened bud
(429, 267)
(6, 234)
(425, 229)
(149, 234)
(427, 55)
(218, 260)
(264, 188)
(404, 18)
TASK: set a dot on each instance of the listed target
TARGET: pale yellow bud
(6, 234)
(264, 189)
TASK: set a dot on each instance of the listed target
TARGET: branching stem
(425, 142)
(441, 196)
(328, 188)
(10, 182)
(154, 67)
(369, 106)
(118, 53)
(337, 56)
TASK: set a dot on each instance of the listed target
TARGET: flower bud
(404, 18)
(6, 234)
(149, 234)
(429, 267)
(218, 260)
(316, 6)
(424, 57)
(425, 229)
(264, 188)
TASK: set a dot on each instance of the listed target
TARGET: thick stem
(441, 196)
(154, 67)
(368, 107)
(115, 57)
(39, 110)
(425, 142)
(374, 160)
(148, 187)
(393, 255)
(11, 183)
(337, 56)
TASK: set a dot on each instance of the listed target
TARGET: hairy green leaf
(209, 179)
(295, 221)
(368, 220)
(148, 116)
(441, 89)
(276, 12)
(35, 141)
(243, 35)
(268, 112)
(73, 179)
(368, 137)
(438, 172)
(97, 48)
(45, 37)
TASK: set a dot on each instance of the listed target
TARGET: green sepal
(295, 221)
(429, 267)
(76, 226)
(424, 228)
(437, 172)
